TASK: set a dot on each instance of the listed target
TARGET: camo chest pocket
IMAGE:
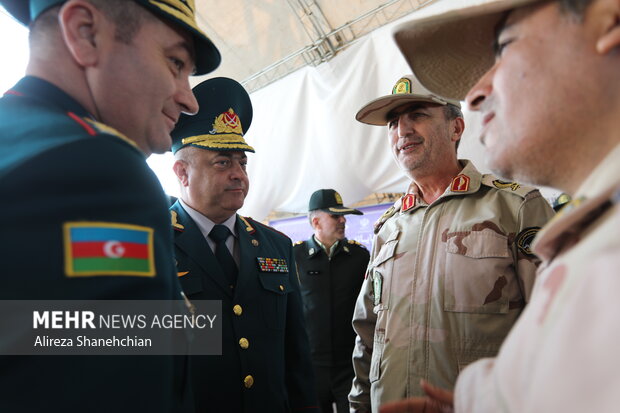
(479, 272)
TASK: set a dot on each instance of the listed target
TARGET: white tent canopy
(306, 136)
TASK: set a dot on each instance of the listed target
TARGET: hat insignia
(338, 198)
(227, 122)
(402, 86)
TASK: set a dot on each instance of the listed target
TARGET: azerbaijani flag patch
(106, 248)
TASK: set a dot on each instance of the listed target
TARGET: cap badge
(227, 122)
(402, 86)
(460, 183)
(338, 198)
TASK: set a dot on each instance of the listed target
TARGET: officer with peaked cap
(105, 83)
(331, 270)
(265, 362)
(450, 270)
(544, 75)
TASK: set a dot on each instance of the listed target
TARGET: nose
(405, 125)
(342, 219)
(481, 90)
(237, 171)
(186, 99)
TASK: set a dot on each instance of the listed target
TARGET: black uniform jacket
(329, 289)
(265, 363)
(59, 170)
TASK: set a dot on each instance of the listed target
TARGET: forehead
(519, 16)
(411, 107)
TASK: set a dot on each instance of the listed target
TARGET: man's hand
(438, 400)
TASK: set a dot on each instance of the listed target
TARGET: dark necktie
(220, 234)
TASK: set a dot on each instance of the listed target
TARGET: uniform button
(281, 288)
(244, 343)
(237, 309)
(248, 381)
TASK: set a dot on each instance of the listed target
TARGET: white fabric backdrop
(306, 136)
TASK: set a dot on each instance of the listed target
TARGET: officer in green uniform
(331, 271)
(265, 363)
(79, 195)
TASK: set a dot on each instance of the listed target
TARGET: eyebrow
(184, 44)
(405, 109)
(499, 28)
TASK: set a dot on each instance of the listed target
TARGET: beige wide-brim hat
(449, 44)
(406, 90)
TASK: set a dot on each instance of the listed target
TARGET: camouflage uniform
(445, 284)
(560, 357)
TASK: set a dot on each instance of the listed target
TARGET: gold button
(237, 309)
(248, 381)
(255, 242)
(281, 288)
(244, 343)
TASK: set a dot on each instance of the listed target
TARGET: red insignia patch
(408, 202)
(460, 184)
(231, 119)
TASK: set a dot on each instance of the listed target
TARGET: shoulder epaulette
(387, 215)
(101, 128)
(513, 187)
(298, 243)
(359, 244)
(265, 226)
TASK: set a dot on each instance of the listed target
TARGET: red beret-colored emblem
(231, 119)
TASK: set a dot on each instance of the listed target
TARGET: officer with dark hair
(331, 271)
(85, 218)
(265, 362)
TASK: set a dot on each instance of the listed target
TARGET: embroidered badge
(272, 264)
(255, 242)
(377, 285)
(311, 251)
(105, 248)
(345, 248)
(460, 183)
(525, 238)
(503, 184)
(408, 203)
(402, 86)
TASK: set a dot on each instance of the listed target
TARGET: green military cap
(330, 201)
(224, 116)
(406, 90)
(179, 12)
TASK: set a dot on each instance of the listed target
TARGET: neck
(432, 186)
(328, 243)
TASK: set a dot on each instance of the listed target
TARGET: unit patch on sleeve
(272, 264)
(525, 238)
(108, 249)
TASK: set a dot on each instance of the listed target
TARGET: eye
(177, 63)
(501, 46)
(393, 123)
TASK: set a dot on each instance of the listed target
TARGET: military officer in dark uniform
(265, 362)
(331, 271)
(75, 132)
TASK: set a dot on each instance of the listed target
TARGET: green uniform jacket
(57, 167)
(265, 362)
(329, 289)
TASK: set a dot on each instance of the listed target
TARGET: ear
(609, 38)
(80, 25)
(180, 170)
(458, 126)
(315, 222)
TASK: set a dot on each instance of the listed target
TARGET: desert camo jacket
(562, 355)
(445, 284)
